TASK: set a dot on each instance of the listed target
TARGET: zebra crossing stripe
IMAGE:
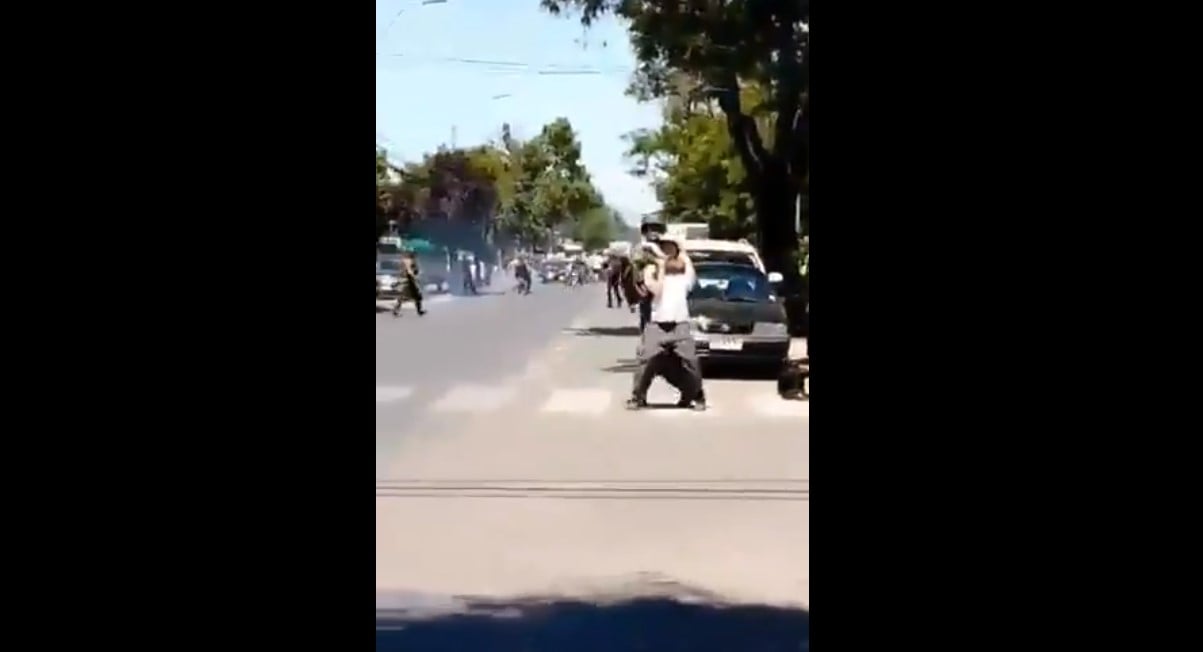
(475, 399)
(590, 401)
(601, 401)
(393, 394)
(777, 407)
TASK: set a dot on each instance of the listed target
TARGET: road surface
(506, 465)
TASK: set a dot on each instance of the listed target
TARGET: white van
(739, 252)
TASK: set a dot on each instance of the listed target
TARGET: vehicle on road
(738, 252)
(553, 271)
(736, 317)
(388, 277)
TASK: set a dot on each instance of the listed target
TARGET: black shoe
(421, 312)
(636, 403)
(396, 312)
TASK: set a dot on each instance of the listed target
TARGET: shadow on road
(710, 371)
(623, 366)
(606, 331)
(573, 626)
(479, 293)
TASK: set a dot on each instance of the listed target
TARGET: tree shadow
(606, 331)
(578, 626)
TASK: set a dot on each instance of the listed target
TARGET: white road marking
(686, 413)
(393, 394)
(579, 401)
(774, 406)
(536, 369)
(409, 307)
(475, 399)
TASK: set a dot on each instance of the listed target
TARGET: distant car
(553, 271)
(388, 275)
(737, 318)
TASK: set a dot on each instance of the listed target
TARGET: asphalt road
(481, 339)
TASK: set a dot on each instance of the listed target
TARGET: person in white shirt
(666, 345)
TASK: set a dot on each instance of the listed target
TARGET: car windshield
(387, 266)
(728, 282)
(729, 257)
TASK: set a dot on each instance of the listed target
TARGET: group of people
(657, 284)
(474, 271)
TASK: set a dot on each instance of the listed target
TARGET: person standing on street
(466, 270)
(411, 288)
(668, 337)
(614, 268)
(522, 274)
(643, 266)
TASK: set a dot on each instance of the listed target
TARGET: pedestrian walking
(411, 286)
(614, 269)
(469, 282)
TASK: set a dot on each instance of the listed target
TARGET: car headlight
(770, 328)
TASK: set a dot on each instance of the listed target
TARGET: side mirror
(776, 277)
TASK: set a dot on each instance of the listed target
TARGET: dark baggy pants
(613, 293)
(645, 313)
(668, 350)
(410, 291)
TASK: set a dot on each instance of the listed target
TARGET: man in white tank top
(667, 342)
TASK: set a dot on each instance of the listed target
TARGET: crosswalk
(726, 400)
(429, 301)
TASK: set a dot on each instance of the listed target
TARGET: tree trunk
(776, 207)
(776, 210)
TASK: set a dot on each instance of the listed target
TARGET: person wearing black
(614, 270)
(639, 270)
(522, 273)
(411, 288)
(466, 270)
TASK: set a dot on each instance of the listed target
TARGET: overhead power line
(515, 67)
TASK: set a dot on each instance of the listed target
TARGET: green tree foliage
(595, 228)
(716, 50)
(390, 201)
(546, 183)
(505, 191)
(696, 172)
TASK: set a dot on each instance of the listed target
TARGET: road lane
(554, 488)
(460, 344)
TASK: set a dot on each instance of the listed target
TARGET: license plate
(726, 344)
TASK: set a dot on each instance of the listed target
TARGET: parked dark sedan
(736, 317)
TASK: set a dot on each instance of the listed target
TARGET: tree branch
(742, 128)
(791, 73)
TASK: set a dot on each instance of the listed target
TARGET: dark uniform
(614, 270)
(411, 288)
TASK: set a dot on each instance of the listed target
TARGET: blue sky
(422, 95)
